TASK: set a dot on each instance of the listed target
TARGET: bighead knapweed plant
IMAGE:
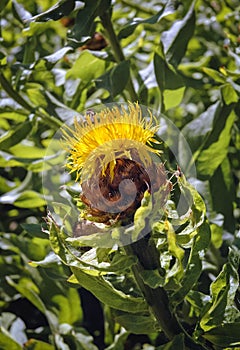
(132, 231)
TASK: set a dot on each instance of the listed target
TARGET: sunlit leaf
(7, 342)
(210, 158)
(229, 94)
(60, 9)
(34, 344)
(87, 67)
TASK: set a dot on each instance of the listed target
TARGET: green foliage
(179, 58)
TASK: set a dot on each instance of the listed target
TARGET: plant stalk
(156, 298)
(117, 50)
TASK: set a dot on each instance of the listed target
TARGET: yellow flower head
(108, 135)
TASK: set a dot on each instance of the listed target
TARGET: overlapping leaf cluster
(181, 58)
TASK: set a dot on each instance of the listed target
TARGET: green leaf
(223, 200)
(87, 67)
(107, 294)
(19, 12)
(17, 116)
(84, 24)
(15, 135)
(223, 291)
(49, 261)
(137, 324)
(115, 79)
(176, 39)
(166, 76)
(58, 55)
(152, 278)
(29, 199)
(7, 342)
(3, 4)
(130, 27)
(175, 250)
(29, 290)
(229, 94)
(35, 93)
(215, 75)
(194, 265)
(176, 343)
(224, 336)
(119, 341)
(210, 158)
(34, 344)
(173, 98)
(60, 9)
(199, 129)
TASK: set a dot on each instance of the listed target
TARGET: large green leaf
(136, 324)
(210, 158)
(115, 79)
(107, 294)
(223, 291)
(224, 336)
(166, 75)
(176, 39)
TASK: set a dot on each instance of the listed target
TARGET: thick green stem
(157, 298)
(117, 50)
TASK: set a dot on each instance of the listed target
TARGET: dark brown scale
(124, 192)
